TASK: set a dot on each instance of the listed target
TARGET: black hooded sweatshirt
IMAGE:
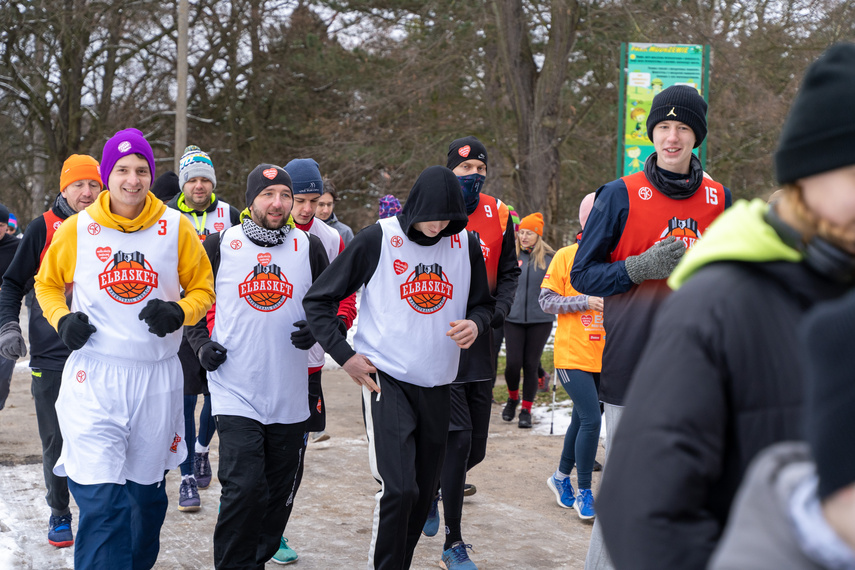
(435, 196)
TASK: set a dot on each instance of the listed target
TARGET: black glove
(12, 344)
(162, 317)
(75, 329)
(657, 262)
(302, 338)
(498, 319)
(211, 355)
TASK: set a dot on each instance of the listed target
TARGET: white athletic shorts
(121, 420)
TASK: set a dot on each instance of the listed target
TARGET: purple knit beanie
(389, 206)
(123, 143)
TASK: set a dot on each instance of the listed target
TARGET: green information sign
(647, 70)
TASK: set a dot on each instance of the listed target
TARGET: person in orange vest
(638, 230)
(578, 358)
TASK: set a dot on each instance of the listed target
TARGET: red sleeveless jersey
(653, 216)
(52, 223)
(489, 221)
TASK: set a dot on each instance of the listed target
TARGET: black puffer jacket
(720, 380)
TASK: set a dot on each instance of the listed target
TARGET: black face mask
(471, 185)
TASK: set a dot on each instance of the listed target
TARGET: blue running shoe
(202, 470)
(432, 523)
(563, 491)
(585, 504)
(59, 531)
(188, 495)
(285, 554)
(456, 558)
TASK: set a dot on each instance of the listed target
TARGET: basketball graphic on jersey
(265, 288)
(128, 278)
(686, 230)
(427, 288)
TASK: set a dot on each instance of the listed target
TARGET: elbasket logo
(128, 278)
(265, 289)
(426, 289)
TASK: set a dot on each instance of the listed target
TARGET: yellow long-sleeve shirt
(59, 263)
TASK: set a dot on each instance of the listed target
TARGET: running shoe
(319, 436)
(202, 470)
(585, 504)
(525, 419)
(432, 523)
(456, 557)
(563, 490)
(59, 531)
(469, 490)
(510, 410)
(188, 495)
(285, 554)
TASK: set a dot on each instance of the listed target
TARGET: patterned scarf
(61, 204)
(263, 236)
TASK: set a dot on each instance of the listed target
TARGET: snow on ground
(24, 523)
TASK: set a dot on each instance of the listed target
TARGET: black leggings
(524, 346)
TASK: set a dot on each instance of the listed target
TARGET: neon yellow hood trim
(739, 234)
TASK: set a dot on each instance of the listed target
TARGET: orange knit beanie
(533, 223)
(79, 167)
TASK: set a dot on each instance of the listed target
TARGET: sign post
(647, 69)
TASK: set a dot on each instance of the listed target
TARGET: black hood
(435, 196)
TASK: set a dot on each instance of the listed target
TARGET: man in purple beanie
(121, 402)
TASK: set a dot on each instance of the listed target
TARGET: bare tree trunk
(535, 96)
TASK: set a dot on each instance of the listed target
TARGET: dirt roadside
(512, 522)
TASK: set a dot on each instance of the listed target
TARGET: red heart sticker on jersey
(264, 258)
(269, 173)
(464, 151)
(103, 253)
(587, 320)
(219, 226)
(399, 266)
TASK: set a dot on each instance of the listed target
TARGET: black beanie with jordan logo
(817, 135)
(679, 103)
(467, 148)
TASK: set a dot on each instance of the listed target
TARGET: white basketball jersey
(211, 222)
(331, 240)
(260, 294)
(116, 274)
(407, 305)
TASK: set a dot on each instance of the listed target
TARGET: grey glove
(12, 344)
(657, 262)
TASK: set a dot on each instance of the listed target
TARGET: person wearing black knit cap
(723, 371)
(639, 228)
(259, 381)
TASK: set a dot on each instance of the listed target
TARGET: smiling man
(638, 230)
(120, 407)
(262, 269)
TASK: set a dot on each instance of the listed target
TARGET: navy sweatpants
(119, 525)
